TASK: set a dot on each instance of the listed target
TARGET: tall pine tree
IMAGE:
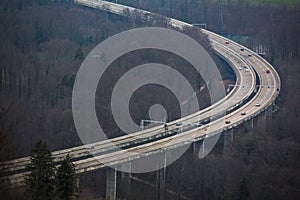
(66, 180)
(41, 180)
(244, 192)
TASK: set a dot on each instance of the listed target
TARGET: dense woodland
(43, 43)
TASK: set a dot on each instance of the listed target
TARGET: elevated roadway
(246, 97)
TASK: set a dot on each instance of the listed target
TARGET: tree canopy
(66, 180)
(41, 180)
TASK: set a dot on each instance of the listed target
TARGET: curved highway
(246, 97)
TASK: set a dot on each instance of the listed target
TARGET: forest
(44, 42)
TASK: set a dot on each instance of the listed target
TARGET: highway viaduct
(248, 97)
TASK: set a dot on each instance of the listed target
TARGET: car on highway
(198, 124)
(247, 70)
(268, 71)
(226, 42)
(243, 113)
(227, 122)
(178, 123)
(257, 104)
(242, 49)
(240, 68)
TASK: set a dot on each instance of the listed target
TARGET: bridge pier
(227, 139)
(206, 145)
(197, 146)
(125, 182)
(262, 121)
(161, 183)
(269, 112)
(161, 175)
(111, 184)
(248, 126)
(78, 183)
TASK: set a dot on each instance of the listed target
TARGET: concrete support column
(77, 182)
(111, 184)
(197, 146)
(161, 183)
(248, 126)
(262, 121)
(269, 111)
(125, 171)
(161, 176)
(227, 139)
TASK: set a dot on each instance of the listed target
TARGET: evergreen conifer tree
(41, 180)
(244, 192)
(66, 180)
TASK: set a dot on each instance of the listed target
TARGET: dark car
(227, 122)
(178, 123)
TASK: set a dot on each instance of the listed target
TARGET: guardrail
(87, 164)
